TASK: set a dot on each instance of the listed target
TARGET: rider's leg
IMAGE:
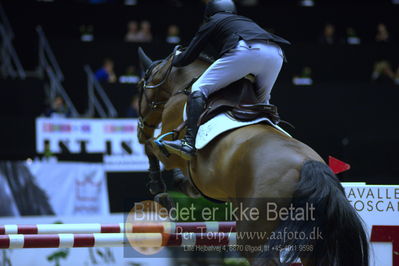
(260, 58)
(185, 147)
(233, 66)
(272, 61)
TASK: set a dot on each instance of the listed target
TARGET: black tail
(341, 240)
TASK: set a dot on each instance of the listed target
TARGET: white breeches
(263, 59)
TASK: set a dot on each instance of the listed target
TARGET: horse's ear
(145, 61)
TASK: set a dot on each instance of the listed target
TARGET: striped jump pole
(160, 227)
(117, 240)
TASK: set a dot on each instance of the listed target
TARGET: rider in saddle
(243, 47)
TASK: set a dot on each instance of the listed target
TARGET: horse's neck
(181, 78)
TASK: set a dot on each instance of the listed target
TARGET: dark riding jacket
(223, 31)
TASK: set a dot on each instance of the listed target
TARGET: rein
(157, 105)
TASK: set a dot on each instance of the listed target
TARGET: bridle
(155, 105)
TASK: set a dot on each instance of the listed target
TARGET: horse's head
(160, 83)
(154, 93)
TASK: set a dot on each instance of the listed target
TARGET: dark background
(344, 114)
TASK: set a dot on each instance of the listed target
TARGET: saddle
(239, 101)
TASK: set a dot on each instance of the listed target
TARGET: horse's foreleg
(156, 185)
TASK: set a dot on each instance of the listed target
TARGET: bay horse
(253, 166)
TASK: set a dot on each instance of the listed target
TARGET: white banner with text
(115, 138)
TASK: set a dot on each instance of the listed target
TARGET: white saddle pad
(222, 123)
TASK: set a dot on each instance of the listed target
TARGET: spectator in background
(133, 109)
(130, 76)
(106, 72)
(86, 33)
(173, 35)
(132, 34)
(383, 71)
(145, 34)
(382, 33)
(58, 109)
(351, 37)
(328, 36)
(305, 78)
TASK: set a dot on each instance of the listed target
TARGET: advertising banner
(378, 206)
(115, 138)
(53, 188)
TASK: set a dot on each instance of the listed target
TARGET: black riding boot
(185, 147)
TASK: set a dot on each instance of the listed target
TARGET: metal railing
(10, 64)
(6, 22)
(94, 88)
(46, 56)
(48, 67)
